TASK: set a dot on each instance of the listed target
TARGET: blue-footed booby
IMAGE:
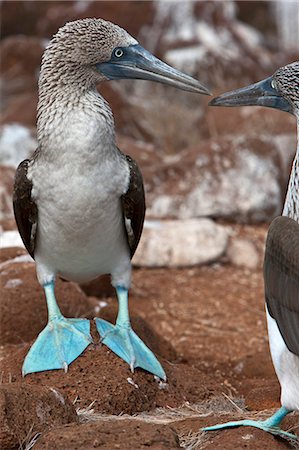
(281, 263)
(79, 201)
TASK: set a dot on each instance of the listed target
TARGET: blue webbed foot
(270, 425)
(123, 341)
(60, 343)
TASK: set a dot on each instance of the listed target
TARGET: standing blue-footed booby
(281, 264)
(79, 201)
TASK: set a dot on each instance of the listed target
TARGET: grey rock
(234, 177)
(180, 243)
(243, 253)
(16, 144)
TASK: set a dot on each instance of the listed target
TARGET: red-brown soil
(205, 324)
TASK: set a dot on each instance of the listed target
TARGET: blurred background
(229, 166)
(214, 180)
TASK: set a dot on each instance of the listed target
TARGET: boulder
(16, 144)
(10, 238)
(180, 243)
(233, 177)
(243, 253)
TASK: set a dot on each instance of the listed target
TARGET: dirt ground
(207, 327)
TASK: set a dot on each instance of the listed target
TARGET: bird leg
(271, 425)
(60, 342)
(123, 341)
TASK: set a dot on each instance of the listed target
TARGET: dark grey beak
(262, 93)
(137, 63)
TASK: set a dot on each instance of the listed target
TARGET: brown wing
(24, 207)
(281, 276)
(133, 204)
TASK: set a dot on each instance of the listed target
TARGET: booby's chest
(76, 192)
(79, 213)
(79, 169)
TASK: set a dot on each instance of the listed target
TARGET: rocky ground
(206, 325)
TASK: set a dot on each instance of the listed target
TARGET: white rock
(243, 253)
(180, 243)
(16, 260)
(16, 144)
(233, 177)
(10, 239)
(14, 282)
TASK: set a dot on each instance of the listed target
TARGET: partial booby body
(281, 264)
(79, 201)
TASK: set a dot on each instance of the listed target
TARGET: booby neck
(71, 113)
(291, 205)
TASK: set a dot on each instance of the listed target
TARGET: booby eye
(118, 52)
(273, 84)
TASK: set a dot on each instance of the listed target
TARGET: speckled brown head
(286, 81)
(87, 51)
(280, 91)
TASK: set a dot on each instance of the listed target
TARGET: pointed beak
(262, 93)
(138, 63)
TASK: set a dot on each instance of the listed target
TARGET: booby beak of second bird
(263, 93)
(137, 63)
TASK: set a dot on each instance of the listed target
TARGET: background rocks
(180, 243)
(236, 177)
(243, 253)
(16, 144)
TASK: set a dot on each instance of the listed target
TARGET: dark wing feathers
(281, 276)
(24, 207)
(133, 204)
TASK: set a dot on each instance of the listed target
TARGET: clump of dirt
(24, 408)
(98, 376)
(23, 301)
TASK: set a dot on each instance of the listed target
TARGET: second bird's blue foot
(123, 341)
(60, 343)
(264, 425)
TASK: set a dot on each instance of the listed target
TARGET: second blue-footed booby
(79, 201)
(281, 263)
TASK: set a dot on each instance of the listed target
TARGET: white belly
(286, 366)
(80, 232)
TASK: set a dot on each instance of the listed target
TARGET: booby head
(280, 91)
(100, 50)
